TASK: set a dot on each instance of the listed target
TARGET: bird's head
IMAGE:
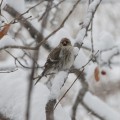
(65, 42)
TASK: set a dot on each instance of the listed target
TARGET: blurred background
(102, 76)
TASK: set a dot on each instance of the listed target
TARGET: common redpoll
(61, 58)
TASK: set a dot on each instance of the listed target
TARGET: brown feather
(60, 58)
(52, 59)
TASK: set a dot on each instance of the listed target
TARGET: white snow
(57, 84)
(18, 5)
(86, 21)
(81, 35)
(93, 5)
(105, 41)
(55, 39)
(102, 109)
(14, 94)
(13, 86)
(7, 41)
(76, 50)
(81, 59)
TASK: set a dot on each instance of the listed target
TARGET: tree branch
(31, 29)
(33, 32)
(85, 24)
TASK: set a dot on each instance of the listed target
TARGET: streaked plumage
(60, 58)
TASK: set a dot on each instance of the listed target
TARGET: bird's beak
(64, 43)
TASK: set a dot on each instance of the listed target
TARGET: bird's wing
(53, 58)
(54, 55)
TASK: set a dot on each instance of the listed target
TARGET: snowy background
(103, 95)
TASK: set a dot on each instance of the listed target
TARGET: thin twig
(1, 4)
(85, 25)
(92, 112)
(83, 67)
(62, 24)
(26, 11)
(29, 55)
(16, 59)
(89, 60)
(92, 45)
(36, 53)
(68, 89)
(9, 71)
(48, 9)
(31, 29)
(30, 87)
(80, 95)
(17, 47)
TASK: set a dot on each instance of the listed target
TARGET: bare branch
(50, 109)
(91, 111)
(34, 33)
(6, 71)
(78, 75)
(81, 93)
(89, 60)
(68, 89)
(48, 9)
(0, 6)
(16, 59)
(29, 92)
(86, 22)
(18, 47)
(62, 24)
(36, 53)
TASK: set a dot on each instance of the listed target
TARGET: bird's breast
(67, 58)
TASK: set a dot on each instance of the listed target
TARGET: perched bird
(60, 58)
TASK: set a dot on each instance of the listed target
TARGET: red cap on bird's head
(65, 41)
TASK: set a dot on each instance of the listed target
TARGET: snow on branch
(33, 32)
(100, 108)
(57, 84)
(87, 20)
(20, 18)
(92, 103)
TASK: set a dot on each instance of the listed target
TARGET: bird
(60, 58)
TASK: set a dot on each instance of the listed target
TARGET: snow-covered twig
(78, 73)
(61, 25)
(57, 84)
(81, 93)
(31, 29)
(113, 52)
(100, 108)
(90, 111)
(91, 29)
(69, 88)
(17, 60)
(0, 6)
(85, 24)
(80, 96)
(8, 71)
(34, 33)
(93, 104)
(17, 47)
(36, 54)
